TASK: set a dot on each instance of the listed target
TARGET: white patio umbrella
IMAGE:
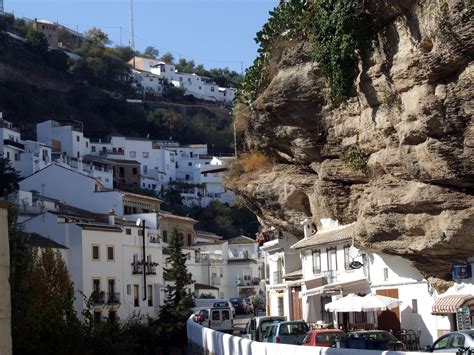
(373, 302)
(349, 303)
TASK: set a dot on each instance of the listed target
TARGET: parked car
(292, 332)
(257, 327)
(225, 304)
(217, 318)
(373, 339)
(239, 305)
(451, 342)
(323, 337)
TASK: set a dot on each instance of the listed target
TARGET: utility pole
(1, 7)
(131, 40)
(242, 68)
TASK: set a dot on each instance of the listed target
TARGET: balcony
(12, 143)
(98, 297)
(137, 268)
(253, 282)
(151, 269)
(113, 298)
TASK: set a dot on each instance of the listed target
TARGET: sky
(216, 33)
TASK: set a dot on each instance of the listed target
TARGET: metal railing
(113, 298)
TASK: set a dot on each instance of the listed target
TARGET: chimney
(307, 227)
(112, 217)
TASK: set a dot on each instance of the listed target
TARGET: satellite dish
(353, 252)
(138, 222)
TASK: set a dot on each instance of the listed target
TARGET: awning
(283, 286)
(449, 304)
(354, 286)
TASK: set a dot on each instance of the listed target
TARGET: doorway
(389, 320)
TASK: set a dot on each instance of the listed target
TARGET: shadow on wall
(417, 323)
(399, 266)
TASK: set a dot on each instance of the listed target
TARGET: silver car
(451, 342)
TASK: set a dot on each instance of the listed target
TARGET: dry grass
(246, 164)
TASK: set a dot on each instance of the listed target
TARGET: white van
(217, 318)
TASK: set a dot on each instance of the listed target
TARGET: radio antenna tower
(1, 7)
(131, 41)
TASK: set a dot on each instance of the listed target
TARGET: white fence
(207, 341)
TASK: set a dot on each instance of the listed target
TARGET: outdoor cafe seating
(410, 338)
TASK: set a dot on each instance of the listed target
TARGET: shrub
(242, 116)
(255, 161)
(356, 159)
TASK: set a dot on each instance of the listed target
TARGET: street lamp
(142, 223)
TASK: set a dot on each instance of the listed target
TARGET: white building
(147, 81)
(198, 86)
(74, 188)
(333, 268)
(65, 137)
(11, 146)
(106, 261)
(35, 156)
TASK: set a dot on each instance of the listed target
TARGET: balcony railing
(151, 269)
(98, 297)
(12, 143)
(113, 298)
(137, 268)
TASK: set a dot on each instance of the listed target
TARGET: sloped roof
(198, 286)
(326, 237)
(165, 214)
(241, 240)
(43, 242)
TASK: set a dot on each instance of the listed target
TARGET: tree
(43, 316)
(37, 41)
(97, 37)
(179, 300)
(8, 178)
(151, 52)
(167, 58)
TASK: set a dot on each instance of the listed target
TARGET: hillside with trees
(90, 82)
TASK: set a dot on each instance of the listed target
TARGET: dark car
(239, 305)
(451, 342)
(374, 340)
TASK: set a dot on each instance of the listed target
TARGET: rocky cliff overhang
(411, 116)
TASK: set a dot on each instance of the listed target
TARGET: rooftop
(38, 240)
(242, 239)
(329, 236)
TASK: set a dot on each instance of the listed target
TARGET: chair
(410, 339)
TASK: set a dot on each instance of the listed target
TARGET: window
(93, 149)
(95, 252)
(165, 236)
(316, 261)
(145, 170)
(146, 154)
(280, 306)
(128, 231)
(140, 232)
(136, 300)
(96, 286)
(225, 315)
(78, 139)
(134, 171)
(129, 289)
(347, 259)
(133, 154)
(187, 176)
(190, 239)
(215, 315)
(189, 80)
(441, 343)
(414, 305)
(212, 88)
(199, 87)
(110, 253)
(385, 273)
(150, 295)
(122, 171)
(87, 144)
(190, 164)
(332, 259)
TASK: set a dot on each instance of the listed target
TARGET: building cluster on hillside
(71, 198)
(304, 275)
(151, 75)
(120, 162)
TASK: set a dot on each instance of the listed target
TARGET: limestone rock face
(411, 114)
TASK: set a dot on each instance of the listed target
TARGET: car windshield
(328, 337)
(293, 329)
(376, 336)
